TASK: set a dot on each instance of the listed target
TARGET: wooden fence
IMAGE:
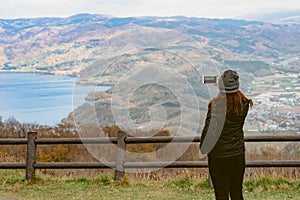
(121, 141)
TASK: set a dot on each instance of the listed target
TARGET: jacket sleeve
(206, 125)
(212, 130)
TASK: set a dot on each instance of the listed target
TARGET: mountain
(282, 17)
(69, 45)
(152, 63)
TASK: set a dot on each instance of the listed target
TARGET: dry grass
(13, 186)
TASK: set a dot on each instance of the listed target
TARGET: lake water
(39, 98)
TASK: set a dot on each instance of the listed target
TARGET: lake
(40, 98)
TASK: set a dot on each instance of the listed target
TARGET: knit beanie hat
(229, 82)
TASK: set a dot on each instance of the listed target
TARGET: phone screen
(209, 79)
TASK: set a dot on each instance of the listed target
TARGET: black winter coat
(230, 140)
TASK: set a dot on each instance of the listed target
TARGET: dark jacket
(230, 139)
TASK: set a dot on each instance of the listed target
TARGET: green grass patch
(270, 184)
(14, 186)
(252, 85)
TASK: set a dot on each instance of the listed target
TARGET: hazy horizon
(136, 8)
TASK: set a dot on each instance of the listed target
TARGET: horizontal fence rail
(121, 141)
(141, 140)
(175, 164)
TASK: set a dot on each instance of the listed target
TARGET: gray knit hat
(229, 82)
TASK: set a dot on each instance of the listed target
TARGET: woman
(223, 137)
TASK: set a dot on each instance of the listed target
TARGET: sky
(125, 8)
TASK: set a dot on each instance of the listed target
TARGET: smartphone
(209, 79)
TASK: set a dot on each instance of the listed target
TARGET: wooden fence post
(31, 155)
(121, 155)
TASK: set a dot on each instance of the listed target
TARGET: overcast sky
(122, 8)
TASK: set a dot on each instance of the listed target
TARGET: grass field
(13, 186)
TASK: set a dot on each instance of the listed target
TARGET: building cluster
(273, 113)
(275, 110)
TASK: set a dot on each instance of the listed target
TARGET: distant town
(277, 103)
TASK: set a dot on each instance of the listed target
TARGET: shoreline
(56, 73)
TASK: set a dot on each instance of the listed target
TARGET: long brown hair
(234, 102)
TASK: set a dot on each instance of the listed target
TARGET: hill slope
(124, 52)
(71, 44)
